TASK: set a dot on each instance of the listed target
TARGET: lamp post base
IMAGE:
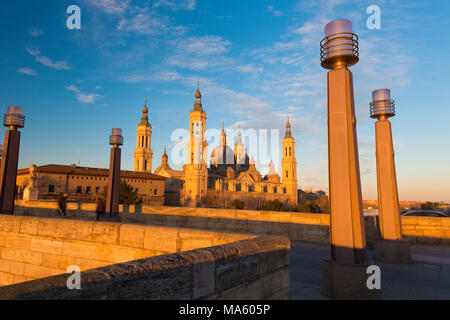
(392, 251)
(347, 282)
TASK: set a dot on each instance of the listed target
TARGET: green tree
(127, 194)
(237, 204)
(308, 207)
(323, 203)
(273, 205)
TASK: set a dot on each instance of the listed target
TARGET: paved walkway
(428, 277)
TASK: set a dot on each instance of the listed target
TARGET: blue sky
(257, 61)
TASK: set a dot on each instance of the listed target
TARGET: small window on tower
(287, 174)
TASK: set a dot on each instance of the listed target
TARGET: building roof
(73, 169)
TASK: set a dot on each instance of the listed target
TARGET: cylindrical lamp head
(382, 105)
(340, 45)
(14, 117)
(116, 137)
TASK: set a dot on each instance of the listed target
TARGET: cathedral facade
(231, 174)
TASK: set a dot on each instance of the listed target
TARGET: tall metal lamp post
(391, 247)
(13, 119)
(344, 275)
(112, 200)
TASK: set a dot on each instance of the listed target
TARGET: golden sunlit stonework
(231, 174)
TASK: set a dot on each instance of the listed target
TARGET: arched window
(275, 189)
(290, 152)
(287, 174)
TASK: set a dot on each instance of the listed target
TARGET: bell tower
(239, 149)
(195, 170)
(143, 154)
(289, 166)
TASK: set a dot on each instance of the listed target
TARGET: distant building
(85, 184)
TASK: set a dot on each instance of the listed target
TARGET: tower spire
(198, 98)
(223, 136)
(144, 119)
(165, 158)
(288, 129)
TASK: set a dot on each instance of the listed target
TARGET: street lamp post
(391, 247)
(112, 200)
(344, 275)
(13, 119)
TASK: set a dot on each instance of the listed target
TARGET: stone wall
(33, 248)
(427, 230)
(296, 226)
(247, 267)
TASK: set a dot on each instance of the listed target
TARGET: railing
(339, 47)
(382, 108)
(13, 119)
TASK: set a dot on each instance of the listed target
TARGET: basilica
(231, 174)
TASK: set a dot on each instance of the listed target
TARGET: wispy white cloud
(145, 23)
(111, 6)
(272, 10)
(176, 5)
(46, 61)
(142, 19)
(207, 53)
(83, 97)
(27, 71)
(189, 4)
(36, 33)
(149, 77)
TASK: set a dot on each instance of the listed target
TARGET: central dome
(222, 155)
